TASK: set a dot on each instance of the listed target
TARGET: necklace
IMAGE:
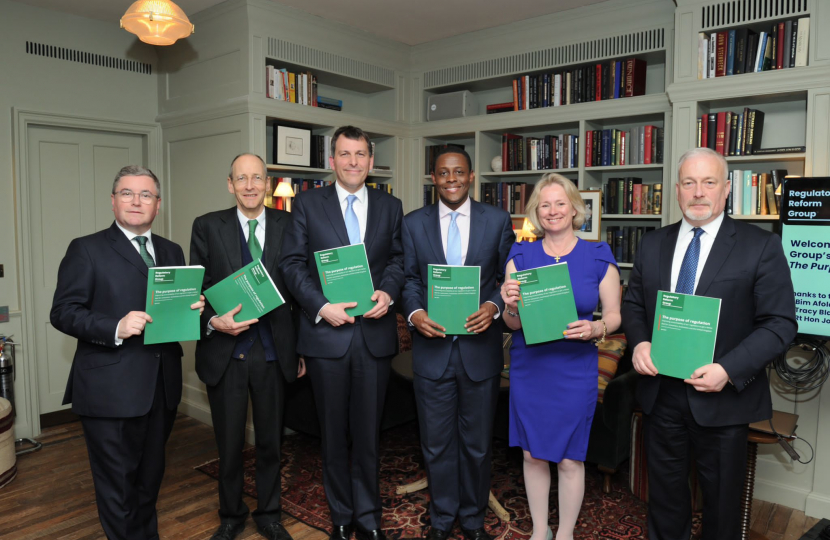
(563, 252)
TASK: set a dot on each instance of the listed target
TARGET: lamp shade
(157, 22)
(284, 189)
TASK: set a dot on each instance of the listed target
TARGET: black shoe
(341, 532)
(274, 531)
(476, 534)
(362, 534)
(437, 534)
(228, 531)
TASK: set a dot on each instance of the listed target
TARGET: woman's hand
(511, 294)
(582, 330)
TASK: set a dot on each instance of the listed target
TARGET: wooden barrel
(8, 460)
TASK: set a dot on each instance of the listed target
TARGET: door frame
(23, 119)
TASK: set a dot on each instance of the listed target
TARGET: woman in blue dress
(553, 386)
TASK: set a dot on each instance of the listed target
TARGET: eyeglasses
(128, 195)
(257, 179)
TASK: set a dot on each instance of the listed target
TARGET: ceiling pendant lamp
(157, 22)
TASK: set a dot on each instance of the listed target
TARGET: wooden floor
(52, 496)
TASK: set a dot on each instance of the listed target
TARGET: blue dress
(553, 386)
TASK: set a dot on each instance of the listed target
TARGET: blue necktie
(454, 242)
(352, 225)
(688, 269)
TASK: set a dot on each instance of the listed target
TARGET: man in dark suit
(348, 358)
(125, 392)
(456, 378)
(241, 359)
(707, 254)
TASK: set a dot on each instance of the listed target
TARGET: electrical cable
(810, 375)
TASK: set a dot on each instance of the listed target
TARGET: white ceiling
(407, 21)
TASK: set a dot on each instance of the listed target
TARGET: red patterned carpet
(617, 516)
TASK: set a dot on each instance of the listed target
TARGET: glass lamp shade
(284, 189)
(157, 22)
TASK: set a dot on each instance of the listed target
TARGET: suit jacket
(491, 237)
(215, 244)
(101, 279)
(747, 270)
(318, 224)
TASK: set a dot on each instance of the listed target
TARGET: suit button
(251, 340)
(241, 356)
(158, 355)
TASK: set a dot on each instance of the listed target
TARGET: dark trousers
(349, 393)
(126, 456)
(455, 415)
(672, 439)
(264, 383)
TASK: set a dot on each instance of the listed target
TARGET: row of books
(298, 88)
(538, 153)
(732, 134)
(383, 187)
(509, 196)
(732, 52)
(430, 151)
(641, 145)
(608, 80)
(631, 196)
(755, 194)
(297, 184)
(624, 241)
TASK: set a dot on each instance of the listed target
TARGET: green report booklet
(685, 329)
(171, 290)
(453, 295)
(250, 286)
(345, 277)
(547, 306)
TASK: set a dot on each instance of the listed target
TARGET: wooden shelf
(755, 218)
(297, 169)
(625, 265)
(756, 158)
(382, 174)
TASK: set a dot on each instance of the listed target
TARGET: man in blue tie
(706, 415)
(456, 377)
(348, 358)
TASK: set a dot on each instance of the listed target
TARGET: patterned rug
(616, 516)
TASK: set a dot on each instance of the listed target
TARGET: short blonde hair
(575, 198)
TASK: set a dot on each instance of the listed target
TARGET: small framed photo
(293, 146)
(590, 230)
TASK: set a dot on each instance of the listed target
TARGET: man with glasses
(238, 359)
(125, 392)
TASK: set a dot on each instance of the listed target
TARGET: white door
(70, 180)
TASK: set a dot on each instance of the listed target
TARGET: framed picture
(590, 230)
(293, 146)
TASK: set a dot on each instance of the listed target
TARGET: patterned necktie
(253, 243)
(352, 225)
(142, 250)
(688, 269)
(454, 242)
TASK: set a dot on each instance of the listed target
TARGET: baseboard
(818, 505)
(195, 405)
(782, 494)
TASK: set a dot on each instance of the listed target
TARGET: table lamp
(285, 192)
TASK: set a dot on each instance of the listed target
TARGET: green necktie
(253, 243)
(142, 250)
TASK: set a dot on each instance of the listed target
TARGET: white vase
(496, 164)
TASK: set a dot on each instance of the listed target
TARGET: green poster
(685, 329)
(345, 277)
(547, 305)
(250, 286)
(171, 290)
(807, 248)
(453, 295)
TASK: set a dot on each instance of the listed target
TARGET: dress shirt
(360, 206)
(130, 236)
(684, 238)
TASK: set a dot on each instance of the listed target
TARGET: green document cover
(250, 286)
(685, 329)
(171, 290)
(453, 295)
(345, 277)
(547, 306)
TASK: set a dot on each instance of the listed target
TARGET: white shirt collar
(342, 194)
(243, 219)
(710, 228)
(444, 210)
(130, 235)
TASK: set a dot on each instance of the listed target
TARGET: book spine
(589, 142)
(779, 43)
(737, 191)
(713, 53)
(793, 42)
(730, 53)
(515, 94)
(802, 41)
(720, 133)
(779, 150)
(623, 148)
(733, 134)
(649, 134)
(702, 50)
(720, 60)
(711, 139)
(657, 199)
(636, 207)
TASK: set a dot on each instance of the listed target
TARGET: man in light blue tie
(456, 377)
(348, 358)
(706, 415)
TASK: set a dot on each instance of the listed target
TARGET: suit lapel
(229, 232)
(373, 216)
(724, 242)
(432, 228)
(667, 256)
(271, 238)
(124, 248)
(332, 210)
(477, 227)
(162, 258)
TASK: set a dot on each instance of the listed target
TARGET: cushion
(609, 353)
(404, 336)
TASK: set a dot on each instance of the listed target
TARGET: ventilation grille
(588, 51)
(73, 55)
(749, 11)
(333, 63)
